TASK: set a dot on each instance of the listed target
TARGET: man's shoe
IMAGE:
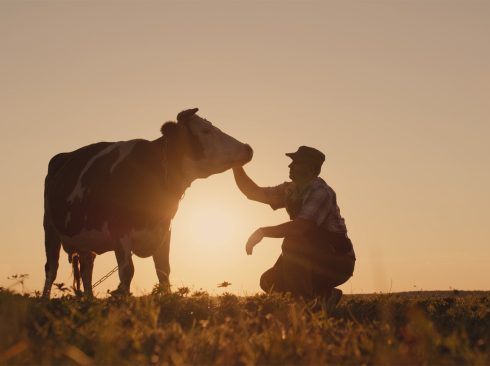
(333, 300)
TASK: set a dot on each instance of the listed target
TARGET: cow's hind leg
(52, 245)
(162, 264)
(126, 268)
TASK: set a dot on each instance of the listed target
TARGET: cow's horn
(182, 116)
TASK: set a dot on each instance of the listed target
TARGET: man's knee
(268, 280)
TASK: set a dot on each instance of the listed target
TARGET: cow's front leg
(126, 268)
(162, 263)
(86, 268)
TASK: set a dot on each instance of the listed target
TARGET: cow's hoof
(121, 292)
(88, 295)
(163, 288)
(78, 293)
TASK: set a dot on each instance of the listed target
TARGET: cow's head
(204, 148)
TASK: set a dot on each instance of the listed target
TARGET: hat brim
(296, 156)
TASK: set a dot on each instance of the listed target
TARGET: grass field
(432, 328)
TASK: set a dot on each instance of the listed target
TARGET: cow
(122, 196)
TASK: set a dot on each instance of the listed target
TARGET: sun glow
(212, 223)
(209, 234)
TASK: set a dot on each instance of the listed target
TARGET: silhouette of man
(317, 255)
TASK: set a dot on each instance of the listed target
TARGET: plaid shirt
(318, 203)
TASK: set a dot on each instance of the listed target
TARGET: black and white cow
(122, 196)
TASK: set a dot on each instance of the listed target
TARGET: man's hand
(254, 239)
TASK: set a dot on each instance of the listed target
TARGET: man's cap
(308, 155)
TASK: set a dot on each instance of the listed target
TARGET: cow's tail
(75, 265)
(52, 242)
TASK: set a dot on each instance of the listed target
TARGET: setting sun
(211, 220)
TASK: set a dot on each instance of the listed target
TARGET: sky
(395, 93)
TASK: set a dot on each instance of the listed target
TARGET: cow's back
(64, 170)
(105, 187)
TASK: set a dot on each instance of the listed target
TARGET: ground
(195, 328)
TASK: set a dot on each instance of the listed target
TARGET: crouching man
(317, 255)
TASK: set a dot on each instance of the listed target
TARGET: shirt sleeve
(316, 206)
(276, 196)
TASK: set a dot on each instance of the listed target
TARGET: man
(317, 254)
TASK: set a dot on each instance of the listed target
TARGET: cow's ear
(169, 129)
(184, 115)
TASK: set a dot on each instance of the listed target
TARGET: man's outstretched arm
(248, 187)
(297, 227)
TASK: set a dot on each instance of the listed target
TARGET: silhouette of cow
(122, 196)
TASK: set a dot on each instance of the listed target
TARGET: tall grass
(199, 329)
